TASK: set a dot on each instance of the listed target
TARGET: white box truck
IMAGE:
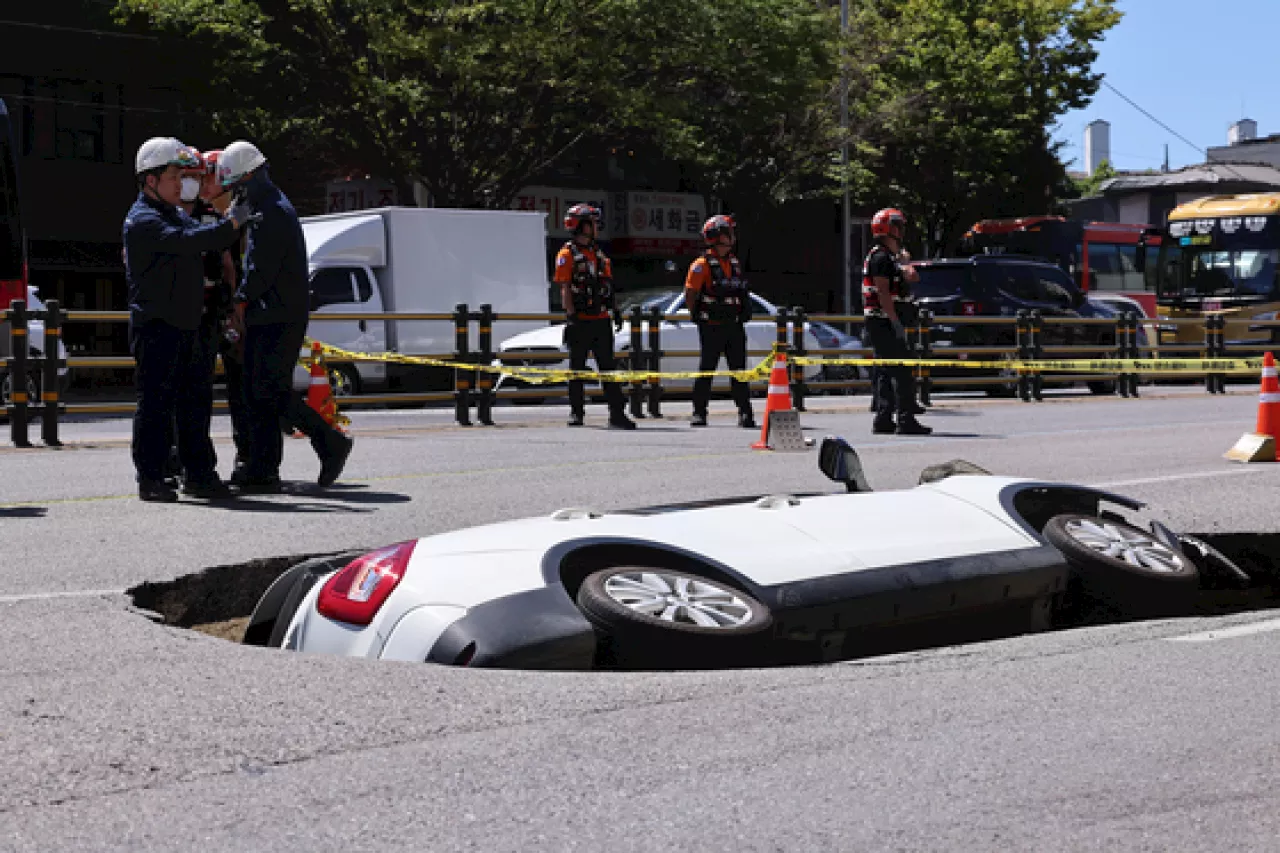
(425, 260)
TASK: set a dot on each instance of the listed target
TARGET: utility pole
(846, 225)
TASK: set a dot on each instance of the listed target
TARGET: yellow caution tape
(544, 375)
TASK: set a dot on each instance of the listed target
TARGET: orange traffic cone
(1260, 445)
(320, 394)
(779, 399)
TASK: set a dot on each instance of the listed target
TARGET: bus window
(1104, 263)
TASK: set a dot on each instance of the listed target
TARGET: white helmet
(161, 151)
(237, 160)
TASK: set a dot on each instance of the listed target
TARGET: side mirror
(840, 462)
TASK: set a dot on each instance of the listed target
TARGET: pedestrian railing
(475, 364)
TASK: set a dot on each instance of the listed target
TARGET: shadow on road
(23, 512)
(347, 497)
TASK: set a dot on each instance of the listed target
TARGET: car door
(349, 290)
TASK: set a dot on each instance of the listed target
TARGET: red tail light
(355, 594)
(969, 308)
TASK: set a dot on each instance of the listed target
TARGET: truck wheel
(673, 619)
(1122, 566)
(344, 380)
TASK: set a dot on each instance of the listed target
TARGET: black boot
(884, 425)
(699, 419)
(334, 458)
(575, 419)
(746, 420)
(908, 425)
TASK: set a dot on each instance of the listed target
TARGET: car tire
(1124, 567)
(701, 623)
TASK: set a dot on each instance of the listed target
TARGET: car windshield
(652, 297)
(938, 281)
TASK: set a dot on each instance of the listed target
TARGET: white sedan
(677, 334)
(736, 581)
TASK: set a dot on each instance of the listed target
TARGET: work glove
(617, 321)
(242, 212)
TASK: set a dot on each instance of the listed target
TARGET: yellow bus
(1222, 257)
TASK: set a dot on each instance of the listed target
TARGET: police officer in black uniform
(585, 276)
(884, 291)
(719, 300)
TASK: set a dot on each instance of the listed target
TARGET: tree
(475, 97)
(1089, 186)
(985, 78)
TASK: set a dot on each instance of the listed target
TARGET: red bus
(13, 245)
(1107, 259)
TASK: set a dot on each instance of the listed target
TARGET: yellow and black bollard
(50, 404)
(484, 381)
(461, 376)
(19, 375)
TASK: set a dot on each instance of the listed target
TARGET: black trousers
(270, 353)
(233, 371)
(715, 340)
(895, 388)
(585, 338)
(175, 398)
(909, 316)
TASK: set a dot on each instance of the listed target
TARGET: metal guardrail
(39, 396)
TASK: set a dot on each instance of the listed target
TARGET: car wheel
(1122, 566)
(1102, 389)
(672, 619)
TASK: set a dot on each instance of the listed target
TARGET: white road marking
(45, 596)
(1169, 478)
(1228, 633)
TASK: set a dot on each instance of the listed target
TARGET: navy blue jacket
(275, 284)
(164, 262)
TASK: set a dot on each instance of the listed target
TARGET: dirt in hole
(219, 600)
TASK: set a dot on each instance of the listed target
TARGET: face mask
(190, 189)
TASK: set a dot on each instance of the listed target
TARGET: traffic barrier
(1260, 445)
(780, 429)
(475, 370)
(320, 392)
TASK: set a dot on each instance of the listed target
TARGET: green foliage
(1089, 186)
(979, 83)
(949, 100)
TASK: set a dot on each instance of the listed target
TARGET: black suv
(1001, 286)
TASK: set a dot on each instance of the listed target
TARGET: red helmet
(576, 215)
(717, 225)
(200, 166)
(883, 222)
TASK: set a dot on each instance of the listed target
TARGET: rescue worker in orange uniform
(585, 277)
(884, 294)
(719, 301)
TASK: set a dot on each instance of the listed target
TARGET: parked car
(1001, 286)
(739, 580)
(677, 334)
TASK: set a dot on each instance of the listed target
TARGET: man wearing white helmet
(163, 253)
(273, 300)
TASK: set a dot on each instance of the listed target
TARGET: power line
(82, 31)
(1135, 105)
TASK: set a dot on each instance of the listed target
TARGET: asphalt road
(116, 733)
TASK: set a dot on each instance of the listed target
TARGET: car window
(1018, 281)
(331, 285)
(1052, 290)
(760, 306)
(936, 281)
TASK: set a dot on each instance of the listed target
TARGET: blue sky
(1197, 65)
